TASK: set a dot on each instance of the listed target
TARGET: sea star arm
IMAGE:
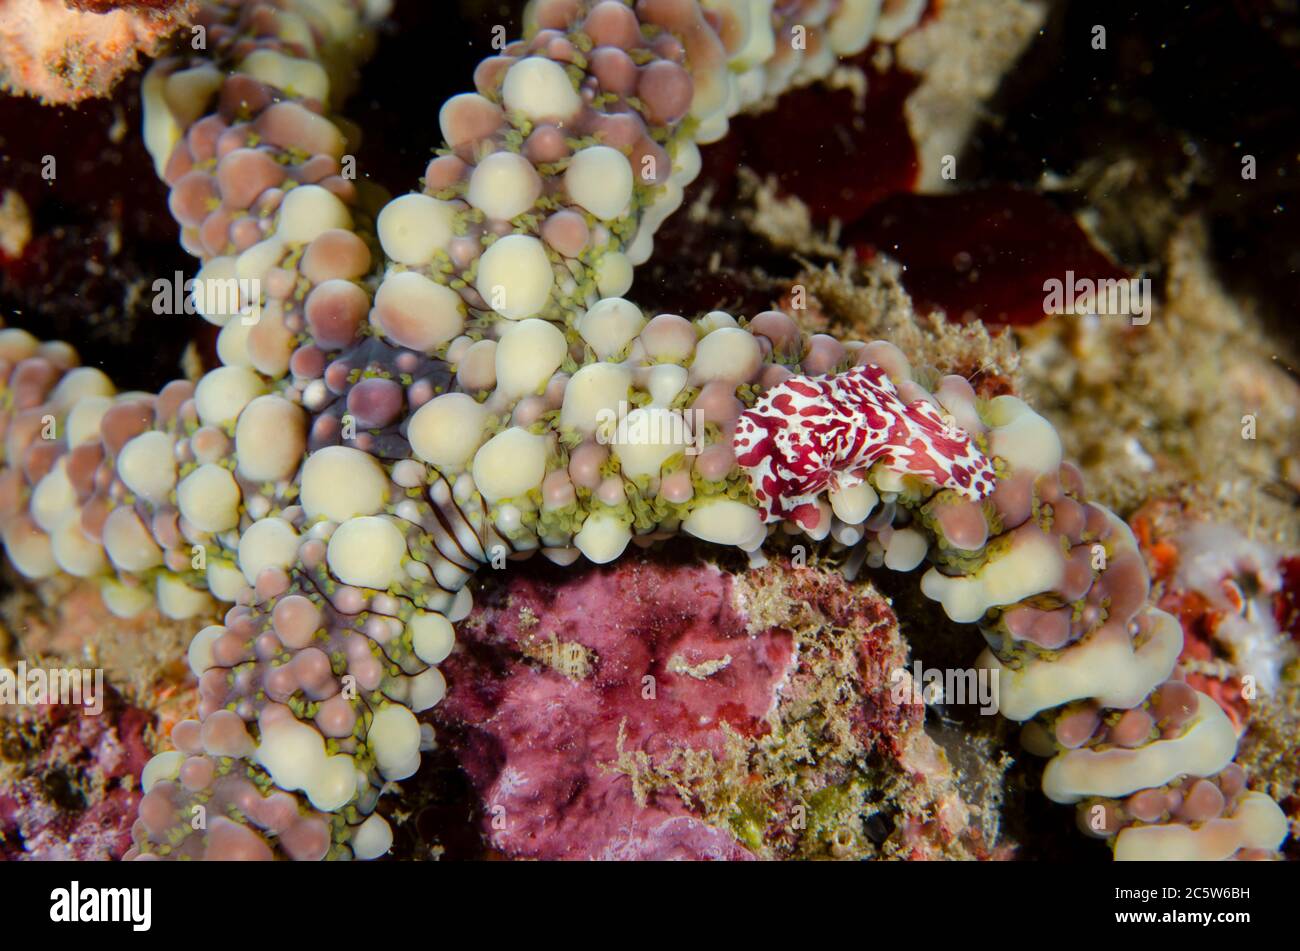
(382, 428)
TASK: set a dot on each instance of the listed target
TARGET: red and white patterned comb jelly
(808, 435)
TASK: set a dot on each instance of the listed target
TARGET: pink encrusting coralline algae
(71, 790)
(417, 387)
(660, 707)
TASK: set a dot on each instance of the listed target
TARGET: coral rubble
(65, 51)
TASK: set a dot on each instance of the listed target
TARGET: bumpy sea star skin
(379, 432)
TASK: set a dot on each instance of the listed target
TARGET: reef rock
(68, 780)
(665, 708)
